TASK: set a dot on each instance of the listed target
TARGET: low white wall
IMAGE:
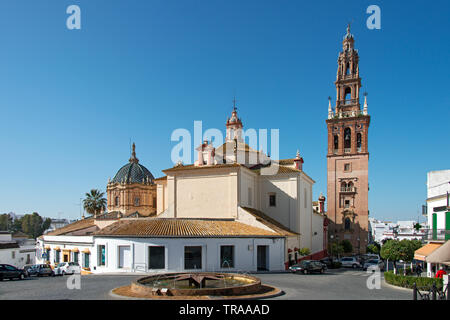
(245, 253)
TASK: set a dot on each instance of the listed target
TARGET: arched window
(116, 201)
(348, 94)
(347, 223)
(343, 185)
(137, 201)
(347, 69)
(336, 142)
(358, 141)
(347, 138)
(350, 186)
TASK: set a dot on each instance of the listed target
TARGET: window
(116, 201)
(347, 138)
(136, 201)
(272, 200)
(358, 142)
(347, 204)
(156, 257)
(347, 167)
(336, 142)
(348, 94)
(101, 252)
(306, 197)
(13, 254)
(227, 256)
(347, 223)
(193, 257)
(86, 260)
(154, 202)
(75, 256)
(47, 255)
(250, 196)
(57, 256)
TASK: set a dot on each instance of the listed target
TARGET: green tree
(336, 249)
(5, 222)
(304, 252)
(373, 248)
(347, 245)
(34, 225)
(94, 203)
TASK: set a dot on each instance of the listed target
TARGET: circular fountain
(196, 285)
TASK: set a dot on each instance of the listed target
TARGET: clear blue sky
(71, 100)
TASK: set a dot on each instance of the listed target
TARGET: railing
(347, 150)
(431, 292)
(348, 101)
(437, 234)
(348, 189)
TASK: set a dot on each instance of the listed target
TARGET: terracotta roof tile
(75, 226)
(192, 167)
(269, 222)
(173, 227)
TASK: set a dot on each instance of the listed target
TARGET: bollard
(434, 292)
(414, 291)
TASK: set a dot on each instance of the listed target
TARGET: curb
(396, 287)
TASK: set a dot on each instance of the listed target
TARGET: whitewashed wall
(245, 253)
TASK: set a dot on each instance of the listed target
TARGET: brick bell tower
(348, 154)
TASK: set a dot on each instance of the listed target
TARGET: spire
(133, 155)
(234, 104)
(365, 104)
(330, 110)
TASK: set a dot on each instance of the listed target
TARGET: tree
(347, 246)
(395, 250)
(304, 252)
(5, 222)
(94, 203)
(336, 249)
(34, 225)
(374, 248)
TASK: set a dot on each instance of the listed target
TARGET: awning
(75, 250)
(57, 249)
(86, 251)
(440, 255)
(426, 250)
(47, 247)
(66, 250)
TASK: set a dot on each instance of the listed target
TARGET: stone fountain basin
(250, 285)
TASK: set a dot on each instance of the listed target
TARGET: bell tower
(348, 155)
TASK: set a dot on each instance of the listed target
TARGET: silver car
(374, 264)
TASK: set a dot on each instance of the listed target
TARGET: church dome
(133, 172)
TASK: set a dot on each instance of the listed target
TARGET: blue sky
(71, 100)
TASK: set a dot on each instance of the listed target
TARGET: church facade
(348, 154)
(221, 213)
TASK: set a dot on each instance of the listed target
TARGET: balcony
(437, 235)
(348, 189)
(347, 150)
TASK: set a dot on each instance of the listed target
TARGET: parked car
(67, 268)
(373, 264)
(327, 261)
(40, 270)
(10, 272)
(308, 266)
(350, 262)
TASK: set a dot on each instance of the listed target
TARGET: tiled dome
(133, 172)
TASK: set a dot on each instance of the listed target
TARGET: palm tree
(94, 203)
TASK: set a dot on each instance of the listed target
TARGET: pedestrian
(440, 273)
(419, 270)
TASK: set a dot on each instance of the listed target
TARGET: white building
(17, 251)
(230, 210)
(438, 206)
(383, 230)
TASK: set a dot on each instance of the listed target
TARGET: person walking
(419, 270)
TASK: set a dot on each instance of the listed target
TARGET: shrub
(408, 281)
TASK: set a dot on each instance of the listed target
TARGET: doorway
(262, 258)
(124, 257)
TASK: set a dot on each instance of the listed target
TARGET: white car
(373, 265)
(350, 262)
(67, 268)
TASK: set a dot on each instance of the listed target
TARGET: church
(221, 213)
